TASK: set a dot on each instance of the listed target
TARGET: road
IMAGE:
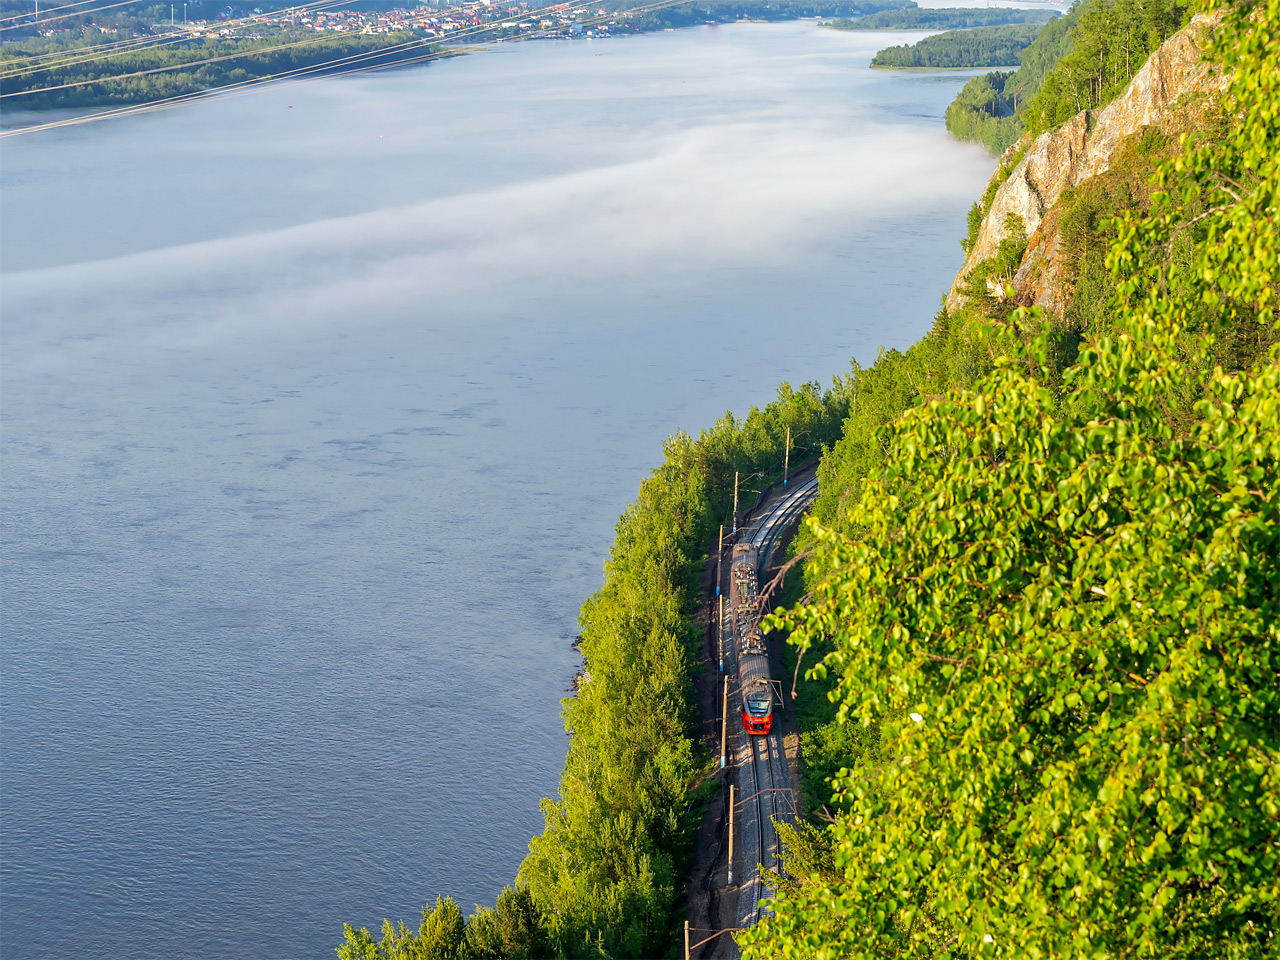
(764, 789)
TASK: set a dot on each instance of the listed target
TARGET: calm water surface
(319, 407)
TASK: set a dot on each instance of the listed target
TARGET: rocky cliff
(1080, 149)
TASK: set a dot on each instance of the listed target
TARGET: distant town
(502, 20)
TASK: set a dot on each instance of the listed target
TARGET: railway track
(764, 782)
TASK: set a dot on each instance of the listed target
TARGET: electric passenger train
(755, 684)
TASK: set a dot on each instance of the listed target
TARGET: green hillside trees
(1060, 611)
(979, 47)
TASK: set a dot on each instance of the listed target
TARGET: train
(755, 682)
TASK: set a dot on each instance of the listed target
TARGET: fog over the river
(320, 407)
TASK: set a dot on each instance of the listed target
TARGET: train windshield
(758, 704)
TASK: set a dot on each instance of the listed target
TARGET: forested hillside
(1042, 589)
(605, 874)
(1044, 583)
(979, 47)
(911, 17)
(1077, 63)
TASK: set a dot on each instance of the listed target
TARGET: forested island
(941, 18)
(977, 47)
(1038, 593)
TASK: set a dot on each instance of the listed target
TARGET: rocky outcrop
(1082, 148)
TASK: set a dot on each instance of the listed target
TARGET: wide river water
(319, 406)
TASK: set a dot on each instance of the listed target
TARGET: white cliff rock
(1082, 148)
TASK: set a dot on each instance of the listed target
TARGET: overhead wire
(301, 74)
(20, 16)
(480, 28)
(99, 52)
(169, 67)
(79, 13)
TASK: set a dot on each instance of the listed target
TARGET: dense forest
(727, 11)
(1041, 591)
(1043, 587)
(604, 876)
(942, 18)
(61, 75)
(1077, 63)
(978, 47)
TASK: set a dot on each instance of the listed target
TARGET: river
(319, 407)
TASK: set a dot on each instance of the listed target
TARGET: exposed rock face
(1076, 151)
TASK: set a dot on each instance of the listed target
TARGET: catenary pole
(720, 635)
(786, 459)
(730, 834)
(719, 558)
(735, 503)
(724, 723)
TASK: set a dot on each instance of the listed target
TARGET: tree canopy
(1060, 608)
(980, 47)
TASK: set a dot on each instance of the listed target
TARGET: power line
(181, 66)
(300, 74)
(77, 56)
(81, 13)
(78, 3)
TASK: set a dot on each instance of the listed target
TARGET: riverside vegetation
(1077, 62)
(911, 17)
(978, 47)
(604, 876)
(1041, 589)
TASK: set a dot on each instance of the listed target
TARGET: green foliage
(512, 929)
(832, 749)
(988, 284)
(806, 856)
(987, 110)
(440, 936)
(942, 18)
(1062, 615)
(727, 11)
(979, 47)
(607, 869)
(982, 114)
(1111, 41)
(1079, 62)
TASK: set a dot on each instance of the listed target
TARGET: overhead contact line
(299, 73)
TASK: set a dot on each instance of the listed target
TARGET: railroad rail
(765, 792)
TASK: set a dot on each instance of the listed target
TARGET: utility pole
(735, 503)
(730, 834)
(724, 723)
(720, 634)
(786, 459)
(719, 557)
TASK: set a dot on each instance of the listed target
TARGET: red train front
(757, 711)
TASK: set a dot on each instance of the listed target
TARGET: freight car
(755, 684)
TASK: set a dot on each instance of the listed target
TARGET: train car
(755, 683)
